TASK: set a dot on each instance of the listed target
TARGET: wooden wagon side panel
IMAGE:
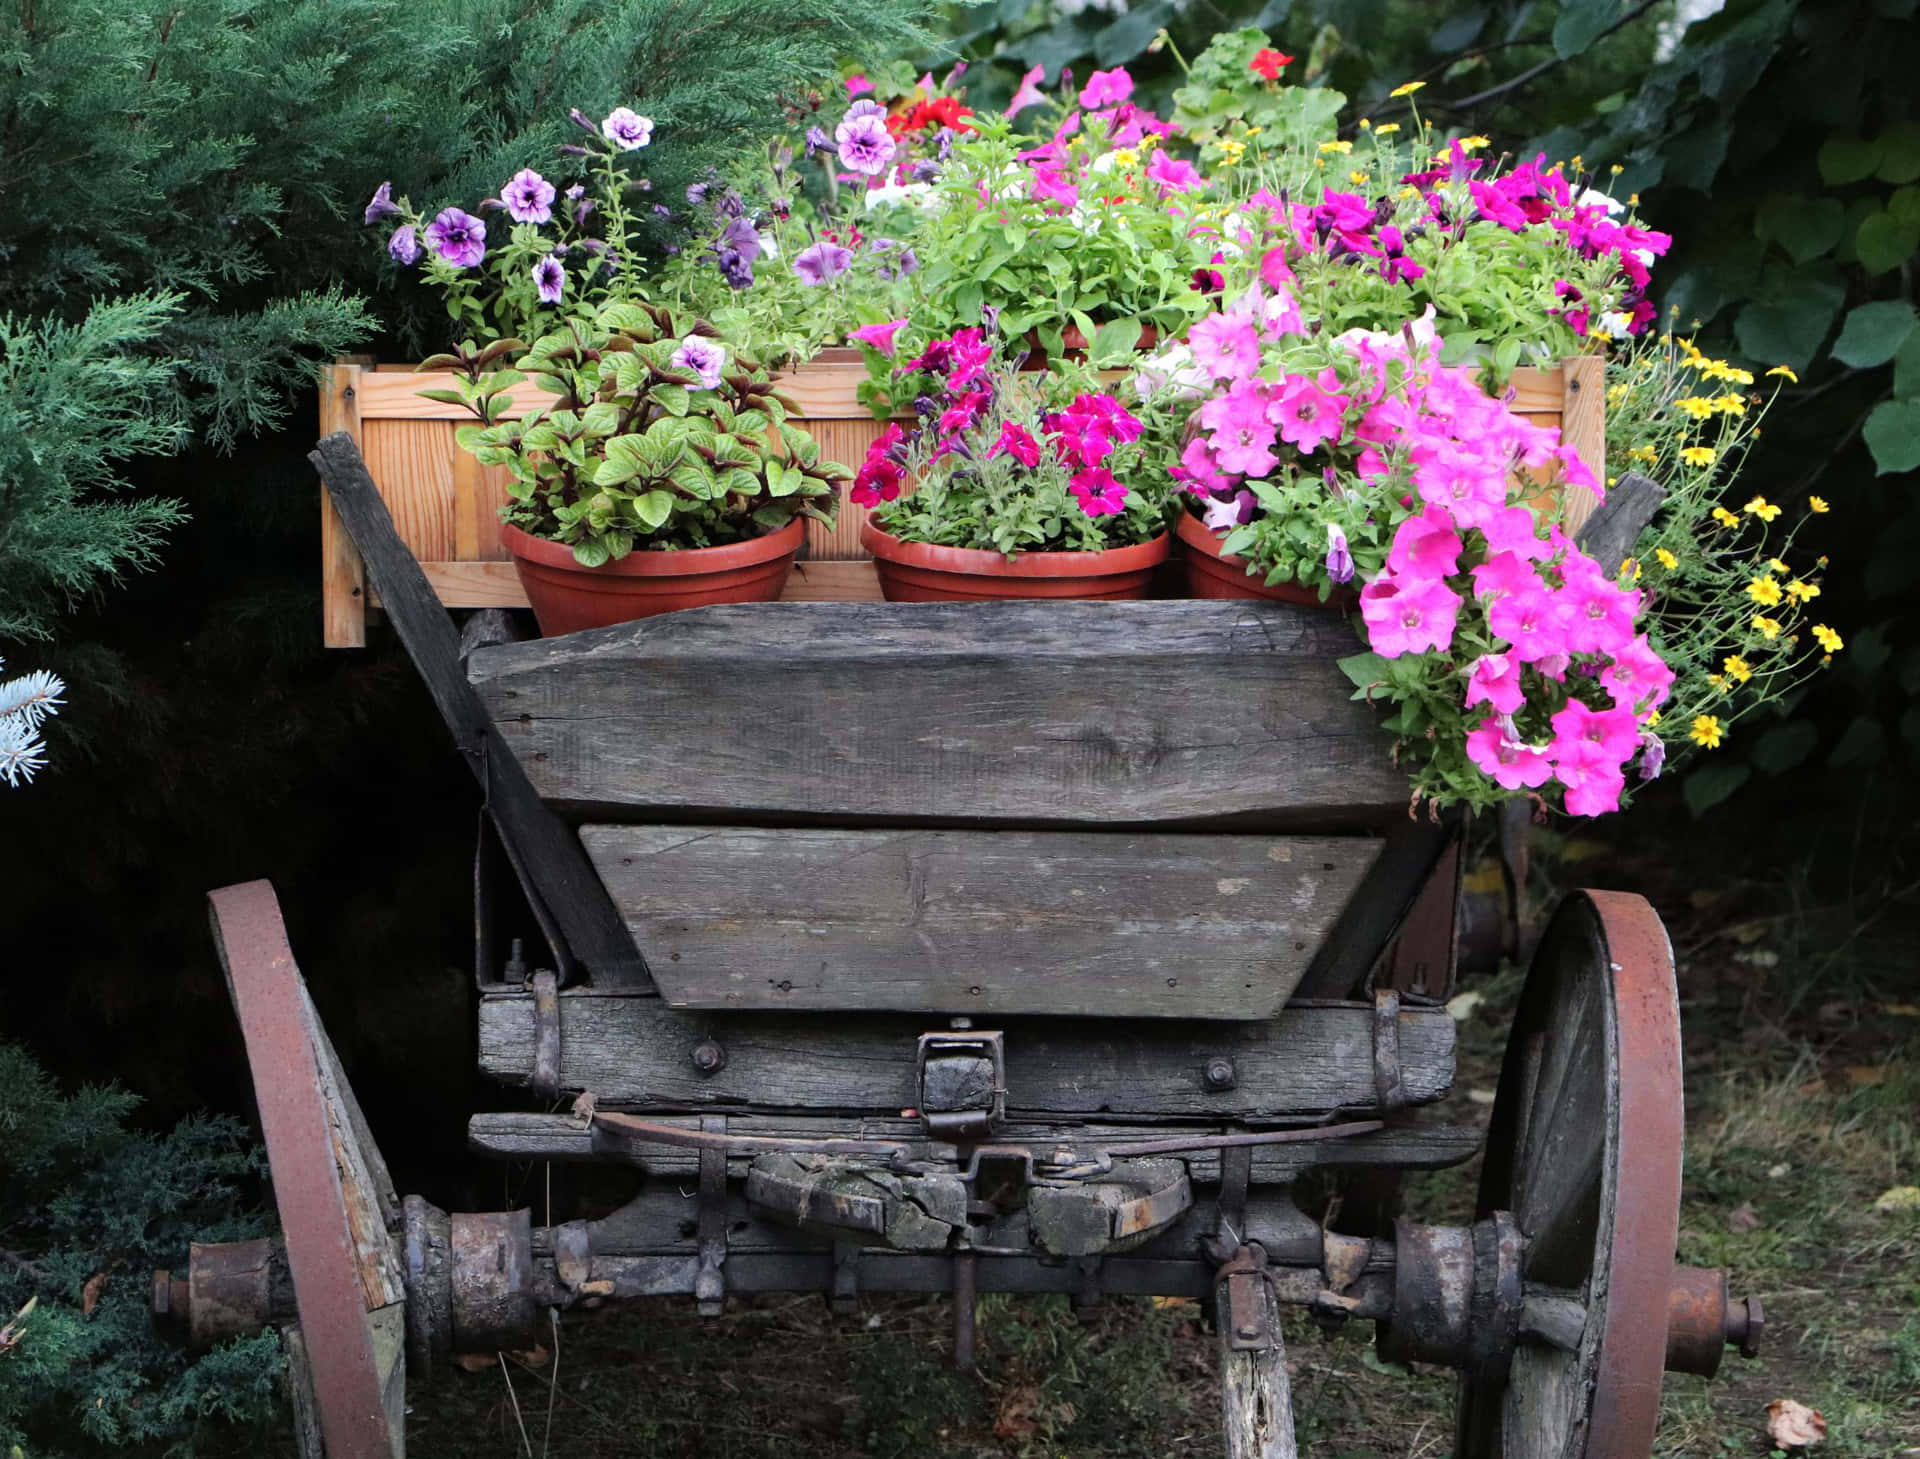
(446, 505)
(1027, 714)
(1094, 924)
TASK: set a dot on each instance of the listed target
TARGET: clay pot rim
(985, 563)
(1196, 536)
(679, 562)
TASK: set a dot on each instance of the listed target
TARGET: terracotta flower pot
(914, 572)
(1074, 345)
(567, 597)
(1212, 573)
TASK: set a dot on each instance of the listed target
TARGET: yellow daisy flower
(1829, 640)
(1643, 453)
(1760, 507)
(1697, 406)
(1340, 145)
(1407, 89)
(1630, 569)
(1127, 157)
(1667, 559)
(1719, 681)
(1738, 667)
(1725, 518)
(1803, 592)
(1357, 178)
(1729, 405)
(1701, 456)
(1386, 129)
(1706, 731)
(1767, 628)
(1785, 373)
(1818, 505)
(1774, 564)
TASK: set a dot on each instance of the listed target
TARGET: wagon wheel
(1584, 1150)
(337, 1206)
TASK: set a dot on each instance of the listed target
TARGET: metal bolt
(1248, 1331)
(709, 1057)
(1745, 1324)
(516, 971)
(1219, 1073)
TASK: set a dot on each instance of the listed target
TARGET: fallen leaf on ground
(1793, 1425)
(1741, 1219)
(1460, 1008)
(90, 1293)
(1900, 1198)
(1016, 1417)
(475, 1362)
(1812, 1086)
(1864, 1074)
(534, 1357)
(1176, 1302)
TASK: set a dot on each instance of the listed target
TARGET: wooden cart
(961, 948)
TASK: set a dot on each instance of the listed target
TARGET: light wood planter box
(446, 506)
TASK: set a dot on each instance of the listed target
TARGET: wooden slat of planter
(343, 579)
(637, 1052)
(977, 922)
(974, 712)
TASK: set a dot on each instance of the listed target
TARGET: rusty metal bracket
(1244, 1319)
(544, 1079)
(961, 1076)
(1388, 1089)
(710, 1284)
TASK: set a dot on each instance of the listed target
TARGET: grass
(1803, 1112)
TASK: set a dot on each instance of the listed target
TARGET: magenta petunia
(1106, 88)
(1637, 677)
(1027, 93)
(1408, 616)
(1310, 412)
(1226, 346)
(1511, 762)
(1017, 442)
(858, 85)
(1097, 491)
(528, 197)
(1599, 612)
(1425, 546)
(1172, 176)
(458, 238)
(1533, 621)
(1496, 680)
(1592, 789)
(879, 336)
(1241, 432)
(549, 280)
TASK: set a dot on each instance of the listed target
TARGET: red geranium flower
(942, 111)
(1267, 63)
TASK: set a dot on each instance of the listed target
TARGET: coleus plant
(1009, 461)
(658, 436)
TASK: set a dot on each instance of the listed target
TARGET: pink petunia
(1505, 574)
(1225, 346)
(1028, 93)
(1017, 442)
(858, 86)
(1172, 176)
(1425, 546)
(1408, 616)
(879, 336)
(1310, 412)
(1198, 467)
(1242, 435)
(1097, 491)
(1106, 88)
(1496, 679)
(1591, 789)
(1637, 678)
(1515, 530)
(1532, 621)
(1583, 736)
(1511, 762)
(1599, 612)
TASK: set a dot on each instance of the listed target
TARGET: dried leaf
(1860, 1075)
(1793, 1425)
(584, 1105)
(1742, 1219)
(1017, 1409)
(475, 1362)
(534, 1357)
(1902, 1010)
(90, 1293)
(1461, 1006)
(11, 1334)
(1900, 1198)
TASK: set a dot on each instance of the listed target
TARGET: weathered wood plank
(1111, 924)
(1378, 910)
(545, 853)
(636, 1052)
(1583, 426)
(1256, 1397)
(521, 1136)
(1009, 712)
(343, 582)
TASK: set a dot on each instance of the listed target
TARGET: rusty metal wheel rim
(1605, 967)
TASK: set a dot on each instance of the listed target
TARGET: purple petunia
(459, 238)
(824, 260)
(1339, 558)
(704, 357)
(549, 280)
(896, 262)
(627, 129)
(866, 146)
(817, 141)
(582, 204)
(404, 246)
(381, 205)
(528, 197)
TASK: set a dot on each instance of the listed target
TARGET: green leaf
(1899, 153)
(1863, 743)
(1114, 343)
(1458, 32)
(1904, 207)
(1804, 227)
(1884, 242)
(1364, 669)
(1874, 333)
(1906, 369)
(653, 507)
(1789, 329)
(1848, 159)
(591, 553)
(1132, 33)
(674, 399)
(1784, 746)
(1580, 25)
(1706, 787)
(1892, 434)
(442, 397)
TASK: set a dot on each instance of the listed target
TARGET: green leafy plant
(656, 436)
